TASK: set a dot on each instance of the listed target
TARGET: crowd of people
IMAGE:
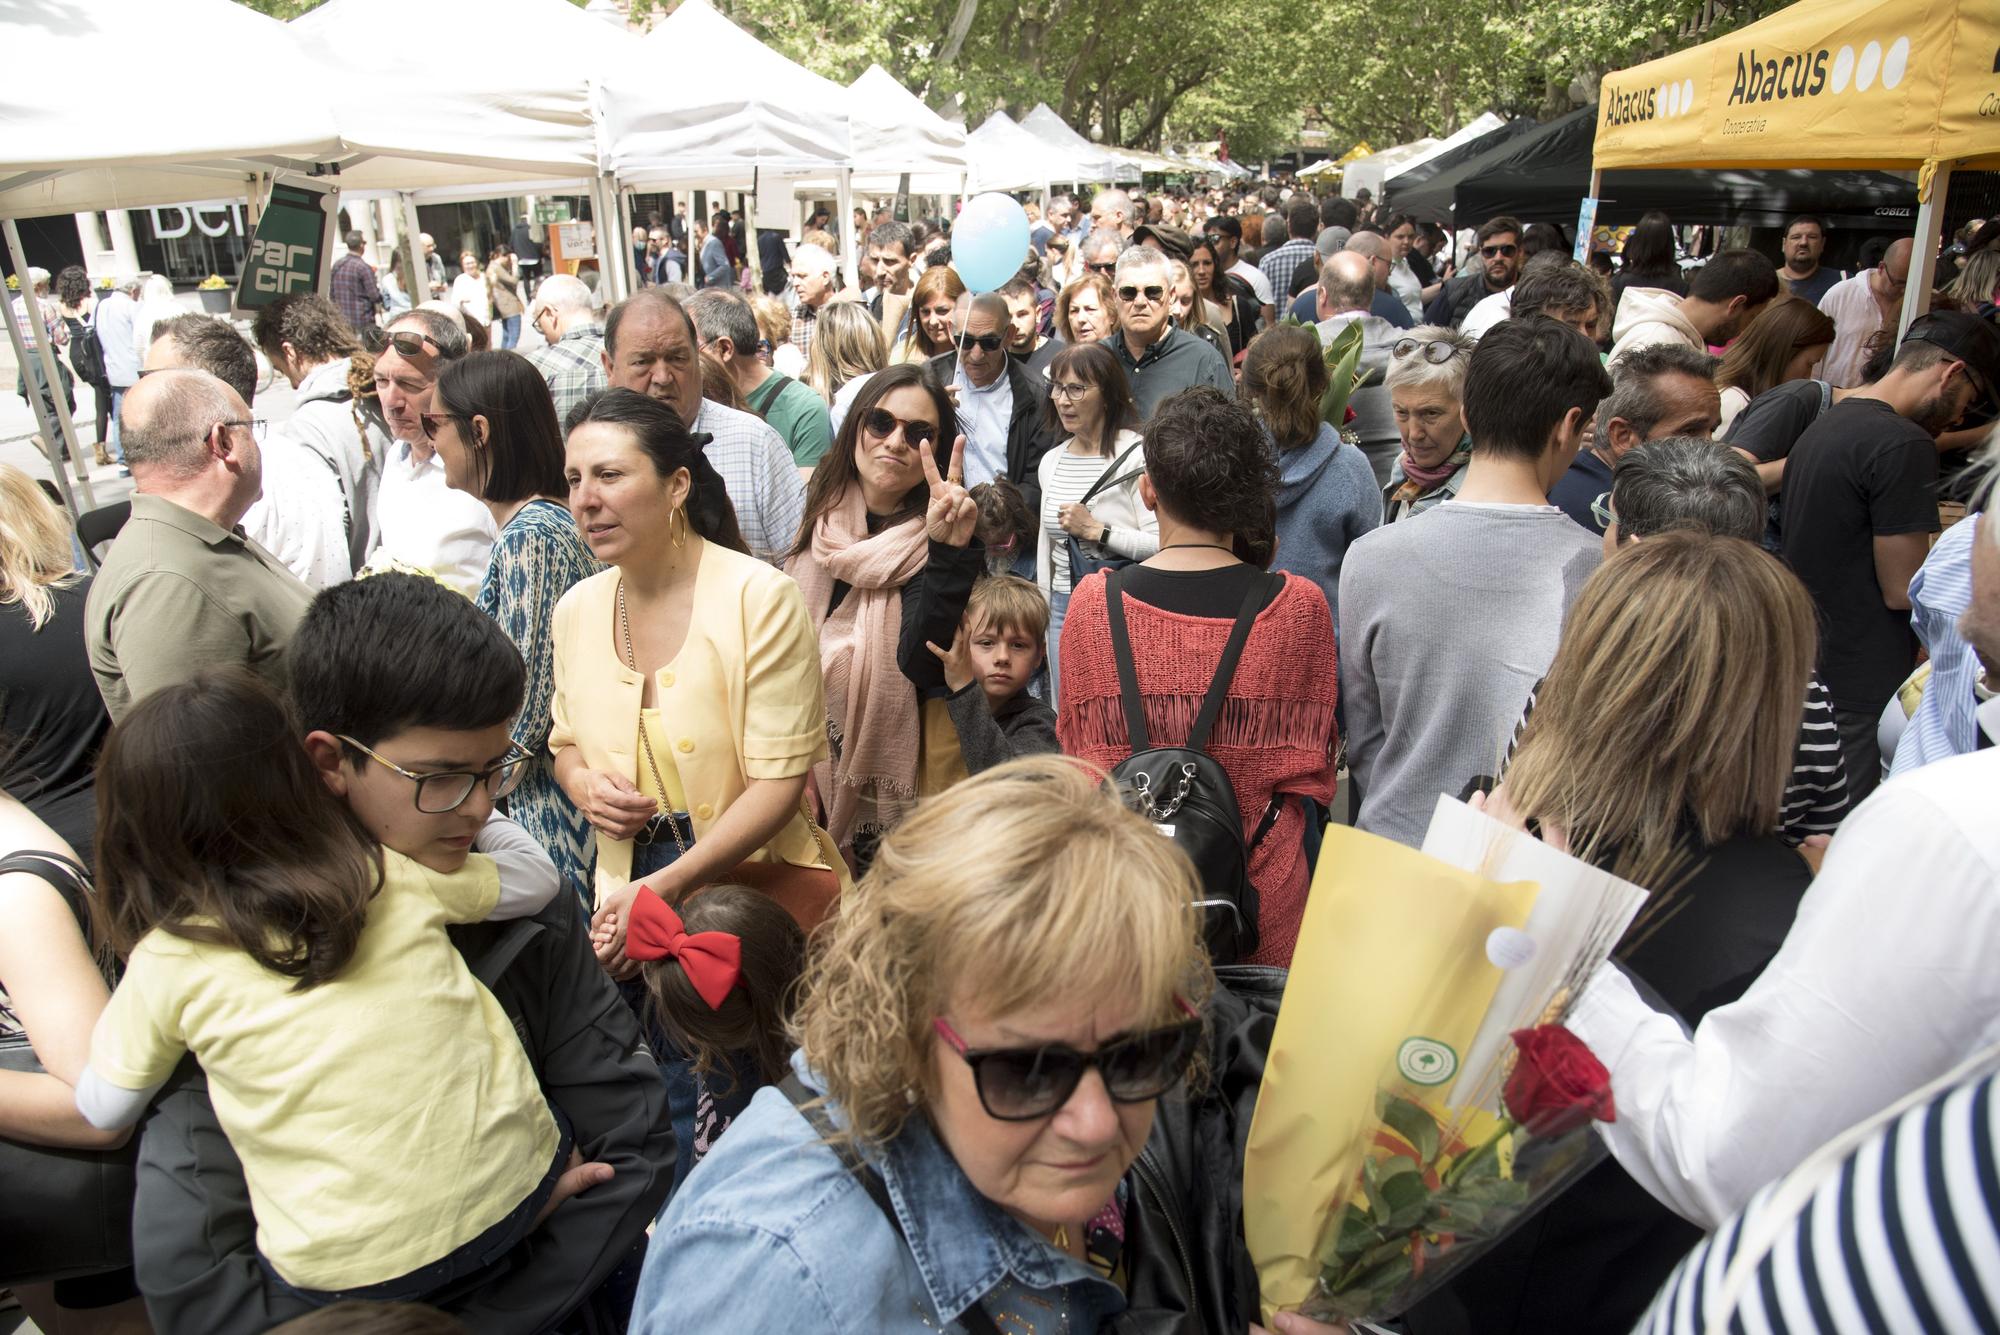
(616, 835)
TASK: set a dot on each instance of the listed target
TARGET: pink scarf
(872, 713)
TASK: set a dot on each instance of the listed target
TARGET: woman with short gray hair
(1426, 380)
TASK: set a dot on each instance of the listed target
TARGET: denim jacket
(771, 1232)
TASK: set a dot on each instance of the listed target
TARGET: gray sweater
(1326, 500)
(1447, 621)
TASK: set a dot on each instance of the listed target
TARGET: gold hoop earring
(677, 526)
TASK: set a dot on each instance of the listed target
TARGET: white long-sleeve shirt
(1886, 981)
(426, 525)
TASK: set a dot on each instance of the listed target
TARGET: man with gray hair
(727, 330)
(182, 589)
(1657, 389)
(1111, 211)
(1100, 251)
(813, 270)
(573, 361)
(1002, 410)
(423, 523)
(1160, 360)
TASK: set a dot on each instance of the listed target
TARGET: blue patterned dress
(538, 556)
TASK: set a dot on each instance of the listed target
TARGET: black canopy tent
(1430, 168)
(1544, 174)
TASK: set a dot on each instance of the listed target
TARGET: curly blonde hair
(1026, 883)
(35, 554)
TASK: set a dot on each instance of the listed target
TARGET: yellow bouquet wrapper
(1390, 979)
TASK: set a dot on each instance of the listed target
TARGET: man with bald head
(1350, 291)
(651, 346)
(182, 588)
(1861, 307)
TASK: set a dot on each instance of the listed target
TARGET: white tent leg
(413, 251)
(850, 262)
(61, 429)
(1923, 258)
(613, 258)
(332, 247)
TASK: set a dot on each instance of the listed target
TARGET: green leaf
(1409, 1120)
(1406, 1198)
(1357, 1233)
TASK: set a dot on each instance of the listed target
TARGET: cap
(1970, 339)
(1171, 240)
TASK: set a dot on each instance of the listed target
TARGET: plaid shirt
(355, 291)
(573, 365)
(1281, 266)
(758, 472)
(804, 320)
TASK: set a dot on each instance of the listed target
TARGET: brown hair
(717, 385)
(940, 280)
(752, 1018)
(1099, 366)
(1107, 297)
(213, 825)
(1004, 527)
(1008, 602)
(1673, 705)
(1284, 375)
(835, 472)
(1782, 330)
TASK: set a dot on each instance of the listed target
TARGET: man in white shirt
(1885, 981)
(115, 318)
(422, 523)
(1861, 307)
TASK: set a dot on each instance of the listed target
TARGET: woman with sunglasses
(932, 302)
(887, 557)
(1089, 483)
(495, 432)
(988, 1026)
(1087, 310)
(1426, 380)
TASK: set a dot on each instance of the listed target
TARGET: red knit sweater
(1275, 734)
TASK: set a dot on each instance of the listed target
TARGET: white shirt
(1850, 303)
(788, 360)
(425, 525)
(1885, 982)
(302, 516)
(469, 294)
(983, 415)
(1259, 284)
(1487, 312)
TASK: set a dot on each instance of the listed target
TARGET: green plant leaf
(1407, 1199)
(1409, 1120)
(1343, 358)
(1357, 1233)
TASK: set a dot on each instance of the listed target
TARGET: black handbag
(1088, 558)
(64, 1212)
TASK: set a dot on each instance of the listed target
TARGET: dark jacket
(1457, 297)
(1029, 436)
(1188, 1268)
(1022, 726)
(194, 1238)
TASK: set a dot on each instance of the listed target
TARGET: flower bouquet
(1420, 1097)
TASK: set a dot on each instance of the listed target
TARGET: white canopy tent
(1486, 124)
(1368, 173)
(1006, 157)
(895, 132)
(1096, 162)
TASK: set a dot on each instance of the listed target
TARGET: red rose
(1558, 1084)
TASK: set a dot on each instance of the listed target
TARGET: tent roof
(484, 114)
(1006, 157)
(1096, 162)
(1542, 175)
(1369, 172)
(1856, 83)
(702, 101)
(1488, 132)
(895, 132)
(165, 134)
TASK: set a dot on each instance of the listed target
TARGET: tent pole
(330, 246)
(1923, 258)
(850, 263)
(62, 430)
(413, 251)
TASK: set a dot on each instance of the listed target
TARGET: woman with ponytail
(688, 708)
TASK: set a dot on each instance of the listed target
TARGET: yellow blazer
(742, 700)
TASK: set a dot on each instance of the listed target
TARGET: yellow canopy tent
(1911, 84)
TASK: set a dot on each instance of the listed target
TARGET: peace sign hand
(952, 514)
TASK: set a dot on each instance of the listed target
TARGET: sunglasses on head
(1153, 293)
(1436, 350)
(984, 342)
(1493, 252)
(881, 422)
(1023, 1084)
(413, 345)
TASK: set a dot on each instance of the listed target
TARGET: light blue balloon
(989, 242)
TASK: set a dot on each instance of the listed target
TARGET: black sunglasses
(1108, 267)
(1492, 252)
(882, 422)
(984, 342)
(1023, 1084)
(412, 345)
(1154, 292)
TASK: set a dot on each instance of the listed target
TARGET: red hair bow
(713, 961)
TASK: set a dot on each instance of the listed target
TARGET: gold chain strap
(645, 740)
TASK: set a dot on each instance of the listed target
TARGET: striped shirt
(1074, 475)
(1945, 723)
(1900, 1234)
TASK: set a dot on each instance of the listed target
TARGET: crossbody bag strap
(973, 1318)
(1225, 671)
(1128, 673)
(1105, 480)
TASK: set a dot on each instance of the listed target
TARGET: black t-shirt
(1772, 422)
(52, 719)
(1217, 593)
(1861, 471)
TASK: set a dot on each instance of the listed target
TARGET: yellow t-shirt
(385, 1117)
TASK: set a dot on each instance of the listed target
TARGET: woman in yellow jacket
(687, 676)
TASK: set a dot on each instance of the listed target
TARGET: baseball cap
(1171, 240)
(1970, 339)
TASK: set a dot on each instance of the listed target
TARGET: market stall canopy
(148, 125)
(1543, 175)
(1854, 83)
(1323, 167)
(894, 131)
(1449, 155)
(1006, 157)
(700, 101)
(1368, 173)
(1095, 162)
(452, 95)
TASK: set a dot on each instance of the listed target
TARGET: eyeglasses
(1213, 238)
(432, 421)
(1023, 1084)
(1437, 351)
(258, 426)
(1492, 252)
(984, 342)
(439, 793)
(1107, 267)
(1069, 393)
(1601, 511)
(1153, 292)
(881, 422)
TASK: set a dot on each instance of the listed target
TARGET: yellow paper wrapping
(1389, 980)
